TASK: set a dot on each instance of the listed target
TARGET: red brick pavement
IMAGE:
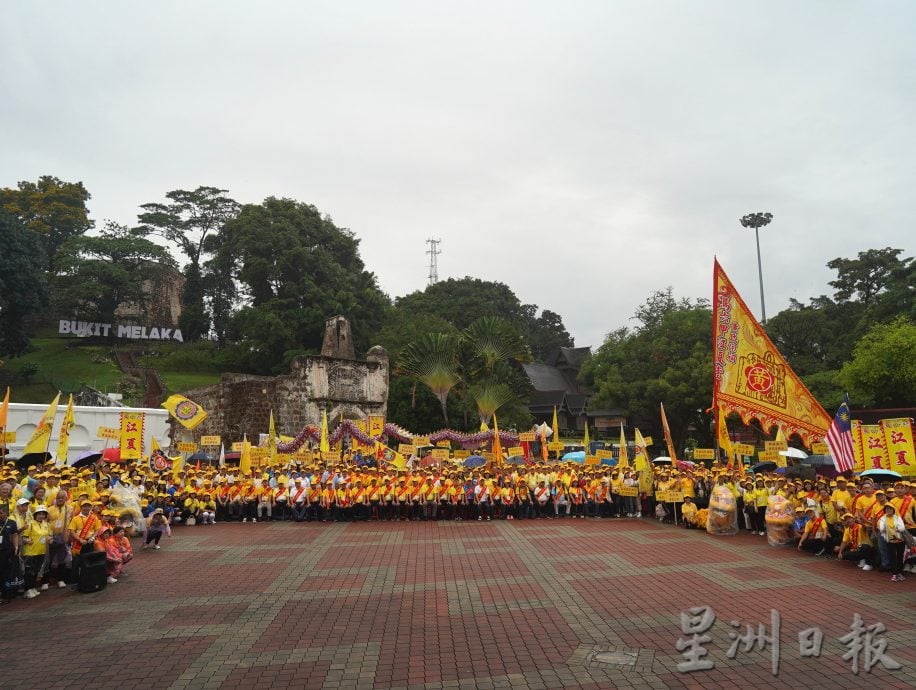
(435, 605)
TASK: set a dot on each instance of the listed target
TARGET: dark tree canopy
(666, 359)
(23, 285)
(295, 269)
(101, 272)
(461, 301)
(52, 209)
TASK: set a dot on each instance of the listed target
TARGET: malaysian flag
(839, 438)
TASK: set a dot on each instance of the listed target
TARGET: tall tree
(189, 219)
(866, 276)
(295, 269)
(100, 273)
(52, 209)
(667, 358)
(23, 290)
(882, 371)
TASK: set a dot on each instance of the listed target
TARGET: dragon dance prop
(347, 429)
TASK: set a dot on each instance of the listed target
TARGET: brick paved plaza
(439, 605)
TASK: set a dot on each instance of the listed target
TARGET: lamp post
(757, 221)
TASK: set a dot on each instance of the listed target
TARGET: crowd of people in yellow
(50, 517)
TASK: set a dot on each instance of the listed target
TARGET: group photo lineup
(457, 346)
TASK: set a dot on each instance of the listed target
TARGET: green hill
(60, 363)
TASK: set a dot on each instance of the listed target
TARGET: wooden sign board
(186, 447)
(443, 444)
(669, 496)
(592, 460)
(745, 449)
(210, 441)
(421, 441)
(108, 432)
(332, 456)
(770, 456)
(603, 454)
(528, 436)
(516, 451)
(704, 453)
(462, 454)
(406, 449)
(819, 448)
(555, 446)
(9, 437)
(440, 453)
(629, 491)
(775, 445)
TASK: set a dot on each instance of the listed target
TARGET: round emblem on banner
(759, 378)
(160, 461)
(185, 410)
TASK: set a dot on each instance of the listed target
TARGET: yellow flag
(42, 434)
(484, 427)
(384, 454)
(497, 446)
(188, 413)
(4, 412)
(556, 430)
(323, 444)
(63, 439)
(751, 377)
(585, 439)
(272, 439)
(640, 456)
(623, 459)
(245, 458)
(725, 441)
(668, 441)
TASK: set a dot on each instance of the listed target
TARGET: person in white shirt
(890, 526)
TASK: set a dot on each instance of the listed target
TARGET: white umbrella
(662, 459)
(794, 453)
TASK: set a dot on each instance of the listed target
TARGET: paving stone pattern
(539, 604)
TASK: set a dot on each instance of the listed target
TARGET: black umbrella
(765, 466)
(32, 459)
(87, 458)
(200, 456)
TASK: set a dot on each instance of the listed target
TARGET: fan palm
(433, 361)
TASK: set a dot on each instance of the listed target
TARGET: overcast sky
(584, 153)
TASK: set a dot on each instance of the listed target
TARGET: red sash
(298, 494)
(234, 492)
(88, 524)
(854, 537)
(415, 496)
(358, 496)
(905, 506)
(815, 526)
(539, 492)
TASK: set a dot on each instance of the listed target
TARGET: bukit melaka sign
(85, 329)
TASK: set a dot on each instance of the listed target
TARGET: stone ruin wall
(241, 403)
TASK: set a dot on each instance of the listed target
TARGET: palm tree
(491, 344)
(433, 361)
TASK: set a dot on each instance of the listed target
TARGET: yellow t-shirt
(38, 534)
(841, 498)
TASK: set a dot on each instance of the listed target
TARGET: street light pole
(757, 221)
